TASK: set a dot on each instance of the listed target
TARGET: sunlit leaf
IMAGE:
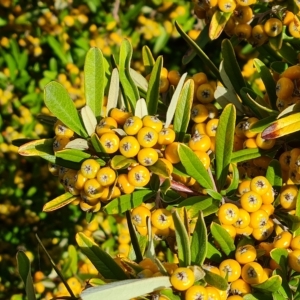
(182, 239)
(59, 202)
(94, 75)
(218, 23)
(126, 202)
(89, 119)
(282, 127)
(24, 269)
(126, 289)
(113, 92)
(224, 144)
(272, 284)
(61, 105)
(216, 280)
(102, 261)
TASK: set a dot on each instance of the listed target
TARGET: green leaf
(127, 202)
(224, 144)
(57, 49)
(72, 252)
(231, 66)
(274, 176)
(262, 124)
(234, 182)
(24, 269)
(174, 101)
(160, 168)
(223, 238)
(272, 284)
(182, 239)
(268, 81)
(169, 294)
(213, 253)
(279, 66)
(285, 290)
(215, 195)
(259, 296)
(126, 289)
(216, 280)
(98, 146)
(218, 23)
(246, 154)
(201, 41)
(153, 88)
(121, 162)
(194, 167)
(59, 202)
(293, 222)
(148, 60)
(183, 110)
(207, 206)
(12, 66)
(73, 155)
(288, 53)
(162, 40)
(94, 75)
(130, 89)
(199, 242)
(42, 148)
(102, 261)
(113, 93)
(205, 59)
(61, 105)
(281, 257)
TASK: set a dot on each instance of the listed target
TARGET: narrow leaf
(246, 154)
(140, 81)
(79, 144)
(89, 119)
(94, 79)
(113, 92)
(262, 124)
(272, 284)
(61, 105)
(268, 81)
(127, 202)
(73, 155)
(205, 59)
(217, 23)
(281, 257)
(59, 202)
(199, 242)
(126, 289)
(24, 269)
(274, 176)
(141, 108)
(148, 60)
(282, 127)
(213, 253)
(223, 238)
(153, 88)
(224, 144)
(130, 89)
(183, 110)
(102, 261)
(216, 280)
(182, 239)
(174, 101)
(42, 148)
(194, 167)
(231, 66)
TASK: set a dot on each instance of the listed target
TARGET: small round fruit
(133, 125)
(161, 218)
(182, 279)
(129, 146)
(139, 176)
(240, 287)
(147, 137)
(253, 273)
(171, 153)
(258, 219)
(199, 113)
(166, 136)
(124, 184)
(230, 268)
(283, 240)
(228, 213)
(196, 292)
(294, 260)
(245, 254)
(147, 156)
(110, 142)
(106, 176)
(273, 27)
(89, 168)
(260, 185)
(251, 201)
(153, 122)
